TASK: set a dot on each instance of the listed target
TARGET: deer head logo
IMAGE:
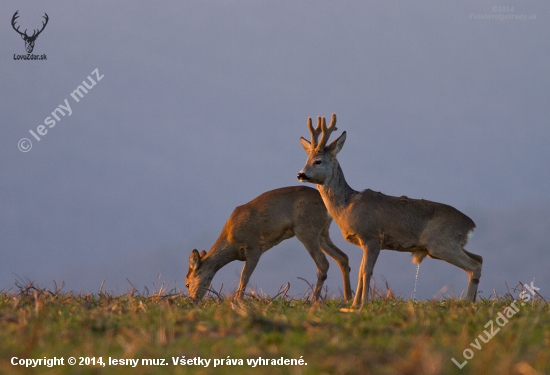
(29, 40)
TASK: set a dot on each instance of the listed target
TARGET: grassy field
(389, 336)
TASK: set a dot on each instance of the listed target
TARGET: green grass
(389, 336)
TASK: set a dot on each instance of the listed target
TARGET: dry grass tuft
(390, 335)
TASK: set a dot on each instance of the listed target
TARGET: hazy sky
(200, 108)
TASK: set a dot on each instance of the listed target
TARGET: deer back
(273, 216)
(402, 223)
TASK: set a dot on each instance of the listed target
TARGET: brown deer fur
(262, 223)
(375, 221)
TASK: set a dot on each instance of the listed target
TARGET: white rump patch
(470, 234)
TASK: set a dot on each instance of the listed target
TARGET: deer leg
(475, 257)
(313, 247)
(252, 258)
(359, 291)
(469, 262)
(340, 257)
(371, 250)
(474, 281)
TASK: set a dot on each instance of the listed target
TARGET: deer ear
(194, 260)
(203, 253)
(337, 144)
(306, 145)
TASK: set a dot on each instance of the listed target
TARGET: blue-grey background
(201, 108)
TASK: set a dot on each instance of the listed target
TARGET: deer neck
(336, 192)
(221, 253)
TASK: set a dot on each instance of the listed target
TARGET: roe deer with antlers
(375, 221)
(262, 223)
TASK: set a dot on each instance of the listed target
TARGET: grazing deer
(262, 223)
(375, 221)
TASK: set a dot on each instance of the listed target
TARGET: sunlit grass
(389, 336)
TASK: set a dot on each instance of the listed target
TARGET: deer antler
(15, 17)
(314, 132)
(35, 34)
(326, 131)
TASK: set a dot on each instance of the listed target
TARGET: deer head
(29, 40)
(198, 278)
(321, 159)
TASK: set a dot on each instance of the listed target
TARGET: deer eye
(317, 162)
(187, 286)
